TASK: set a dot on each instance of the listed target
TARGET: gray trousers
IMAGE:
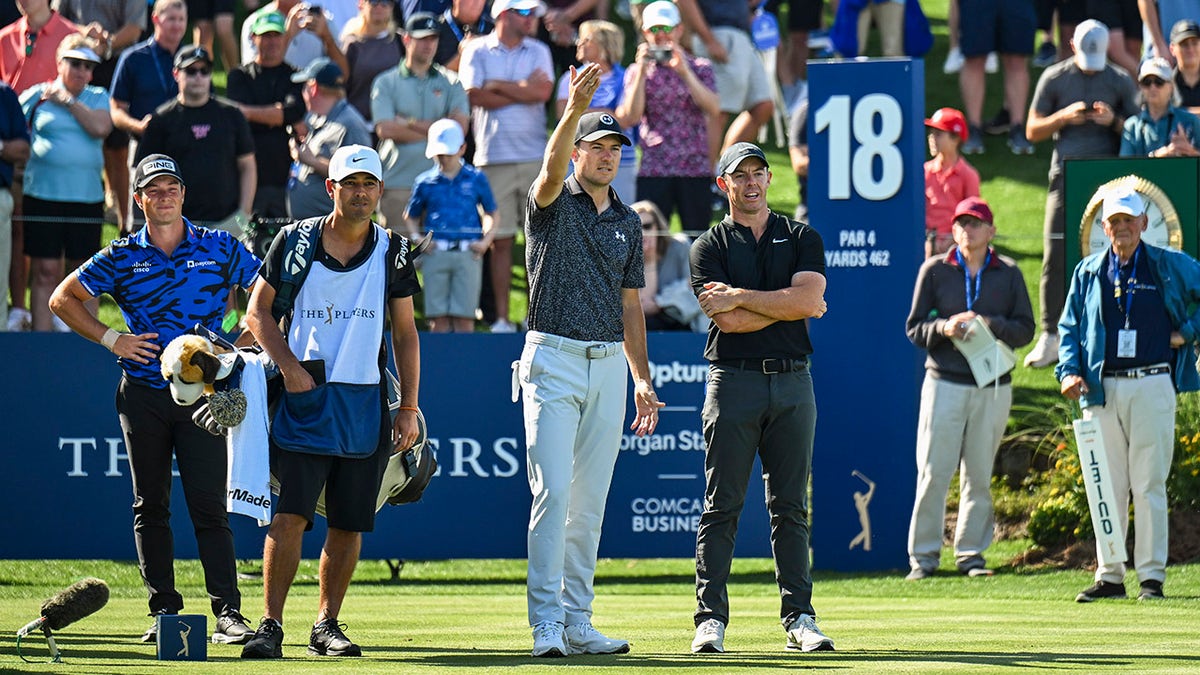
(1054, 257)
(746, 414)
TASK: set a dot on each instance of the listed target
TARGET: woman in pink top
(949, 179)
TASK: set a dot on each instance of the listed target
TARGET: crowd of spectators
(305, 79)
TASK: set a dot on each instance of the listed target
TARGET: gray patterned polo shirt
(578, 261)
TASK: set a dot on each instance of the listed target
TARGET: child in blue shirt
(447, 200)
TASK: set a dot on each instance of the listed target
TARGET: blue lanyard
(967, 280)
(1124, 297)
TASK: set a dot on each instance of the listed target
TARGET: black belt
(765, 366)
(1135, 373)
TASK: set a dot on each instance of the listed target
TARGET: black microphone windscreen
(74, 603)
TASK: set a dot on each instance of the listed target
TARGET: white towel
(249, 453)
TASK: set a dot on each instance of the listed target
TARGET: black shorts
(1007, 27)
(61, 229)
(207, 9)
(1121, 14)
(351, 486)
(1070, 12)
(802, 15)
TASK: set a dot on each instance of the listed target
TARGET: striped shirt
(517, 132)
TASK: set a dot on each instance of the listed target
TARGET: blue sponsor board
(866, 197)
(69, 490)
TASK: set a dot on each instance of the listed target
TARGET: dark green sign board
(1176, 177)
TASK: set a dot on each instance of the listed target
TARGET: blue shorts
(1004, 26)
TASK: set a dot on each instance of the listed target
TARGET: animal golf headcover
(193, 369)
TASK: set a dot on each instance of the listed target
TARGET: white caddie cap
(445, 138)
(352, 159)
(1122, 200)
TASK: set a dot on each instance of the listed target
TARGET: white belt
(588, 350)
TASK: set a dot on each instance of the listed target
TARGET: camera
(661, 54)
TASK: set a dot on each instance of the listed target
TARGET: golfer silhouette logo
(184, 631)
(862, 502)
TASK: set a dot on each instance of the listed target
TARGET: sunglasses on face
(86, 65)
(661, 29)
(1153, 82)
(198, 72)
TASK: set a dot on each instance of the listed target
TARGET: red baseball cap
(951, 120)
(974, 206)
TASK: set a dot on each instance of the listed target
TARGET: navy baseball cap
(422, 24)
(736, 154)
(325, 72)
(596, 125)
(191, 54)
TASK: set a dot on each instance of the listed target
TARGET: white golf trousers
(574, 394)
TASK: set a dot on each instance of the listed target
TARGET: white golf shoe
(804, 635)
(583, 638)
(1044, 353)
(548, 640)
(710, 638)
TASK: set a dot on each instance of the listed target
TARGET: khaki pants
(959, 429)
(391, 207)
(1138, 422)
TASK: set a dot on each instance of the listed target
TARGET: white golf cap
(1156, 67)
(80, 54)
(1122, 200)
(501, 6)
(660, 13)
(352, 159)
(445, 138)
(1091, 45)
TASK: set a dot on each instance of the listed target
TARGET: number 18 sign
(866, 196)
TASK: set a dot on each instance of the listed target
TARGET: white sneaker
(992, 64)
(503, 326)
(19, 320)
(710, 638)
(954, 61)
(548, 640)
(804, 635)
(1045, 352)
(583, 638)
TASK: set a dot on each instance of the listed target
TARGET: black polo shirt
(253, 84)
(728, 253)
(1189, 96)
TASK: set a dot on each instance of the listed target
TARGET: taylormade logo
(249, 498)
(297, 258)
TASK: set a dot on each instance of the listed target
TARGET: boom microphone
(77, 601)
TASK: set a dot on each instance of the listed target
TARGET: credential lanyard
(1124, 296)
(970, 283)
